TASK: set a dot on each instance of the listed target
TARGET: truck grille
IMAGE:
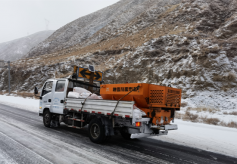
(173, 97)
(156, 96)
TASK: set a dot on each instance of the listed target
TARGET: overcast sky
(19, 18)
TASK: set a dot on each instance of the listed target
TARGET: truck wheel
(125, 135)
(47, 118)
(96, 131)
(107, 138)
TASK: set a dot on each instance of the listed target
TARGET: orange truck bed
(158, 102)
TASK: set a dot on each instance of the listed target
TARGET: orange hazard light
(138, 123)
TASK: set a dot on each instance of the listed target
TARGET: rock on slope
(16, 49)
(190, 44)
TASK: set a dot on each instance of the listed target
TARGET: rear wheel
(47, 118)
(125, 134)
(96, 131)
(107, 138)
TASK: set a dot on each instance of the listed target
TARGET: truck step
(77, 127)
(75, 119)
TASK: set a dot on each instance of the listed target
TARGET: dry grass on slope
(230, 113)
(188, 116)
(204, 109)
(231, 124)
(21, 94)
(114, 44)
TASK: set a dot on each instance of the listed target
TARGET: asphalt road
(24, 139)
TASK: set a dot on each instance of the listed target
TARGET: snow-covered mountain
(81, 32)
(16, 49)
(190, 44)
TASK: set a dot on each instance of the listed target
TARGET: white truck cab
(55, 91)
(53, 95)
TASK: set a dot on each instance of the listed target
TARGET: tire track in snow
(18, 153)
(52, 148)
(5, 158)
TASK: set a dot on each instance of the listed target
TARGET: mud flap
(109, 130)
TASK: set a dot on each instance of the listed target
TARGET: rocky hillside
(190, 44)
(16, 49)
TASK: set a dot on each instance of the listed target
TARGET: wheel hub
(95, 131)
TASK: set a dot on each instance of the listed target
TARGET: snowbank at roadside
(20, 102)
(201, 136)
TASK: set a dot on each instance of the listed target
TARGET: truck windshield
(47, 88)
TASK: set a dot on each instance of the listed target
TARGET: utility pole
(2, 65)
(9, 77)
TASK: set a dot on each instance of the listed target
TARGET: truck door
(46, 95)
(59, 95)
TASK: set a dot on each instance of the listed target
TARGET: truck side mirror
(36, 91)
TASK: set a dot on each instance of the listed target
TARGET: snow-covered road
(23, 135)
(24, 139)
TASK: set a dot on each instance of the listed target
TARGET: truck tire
(96, 131)
(47, 118)
(107, 138)
(125, 134)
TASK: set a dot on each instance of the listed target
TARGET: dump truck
(133, 110)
